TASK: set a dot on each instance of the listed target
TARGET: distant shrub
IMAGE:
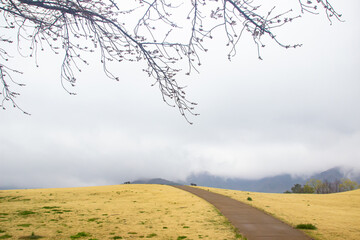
(249, 199)
(308, 226)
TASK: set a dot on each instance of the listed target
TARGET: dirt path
(251, 222)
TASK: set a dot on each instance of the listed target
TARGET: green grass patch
(24, 225)
(116, 237)
(181, 237)
(92, 219)
(80, 235)
(50, 207)
(307, 226)
(239, 236)
(132, 232)
(151, 235)
(217, 211)
(4, 214)
(186, 227)
(6, 236)
(2, 231)
(57, 211)
(14, 198)
(25, 213)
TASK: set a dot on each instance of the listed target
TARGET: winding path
(251, 222)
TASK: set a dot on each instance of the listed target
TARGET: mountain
(155, 181)
(275, 184)
(330, 175)
(337, 173)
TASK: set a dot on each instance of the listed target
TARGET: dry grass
(336, 216)
(110, 212)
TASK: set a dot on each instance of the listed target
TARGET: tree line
(322, 187)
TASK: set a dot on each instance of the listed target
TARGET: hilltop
(155, 181)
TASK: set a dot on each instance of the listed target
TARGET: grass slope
(110, 212)
(336, 216)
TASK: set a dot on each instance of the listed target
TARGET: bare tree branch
(75, 27)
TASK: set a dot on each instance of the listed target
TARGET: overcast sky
(297, 111)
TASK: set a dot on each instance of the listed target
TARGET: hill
(125, 211)
(155, 181)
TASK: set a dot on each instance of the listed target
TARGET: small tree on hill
(76, 27)
(308, 189)
(315, 184)
(323, 187)
(297, 188)
(348, 185)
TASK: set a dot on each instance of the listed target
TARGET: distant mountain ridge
(276, 184)
(337, 173)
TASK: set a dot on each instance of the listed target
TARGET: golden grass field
(110, 212)
(337, 216)
(163, 212)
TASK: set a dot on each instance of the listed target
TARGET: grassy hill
(134, 211)
(110, 212)
(336, 216)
